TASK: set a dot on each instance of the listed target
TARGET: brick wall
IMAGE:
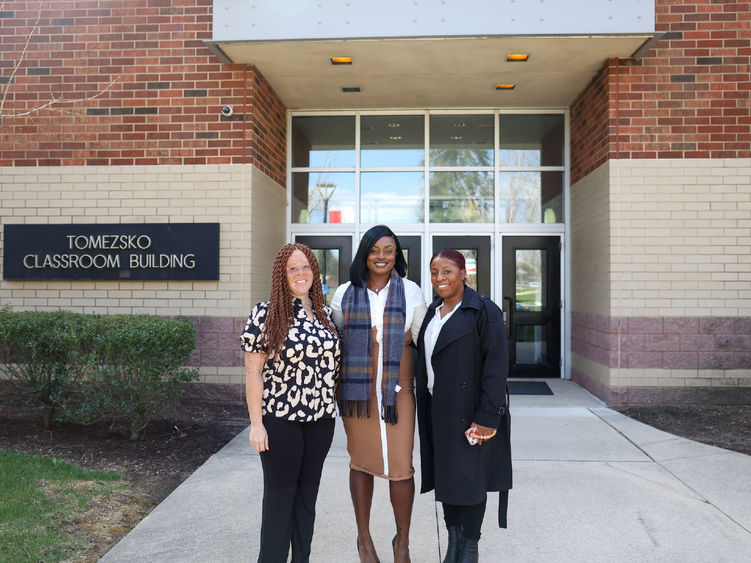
(687, 97)
(694, 344)
(661, 196)
(128, 83)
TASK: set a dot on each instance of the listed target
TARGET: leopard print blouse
(298, 385)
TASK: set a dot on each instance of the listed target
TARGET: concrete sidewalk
(589, 485)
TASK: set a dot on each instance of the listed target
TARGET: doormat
(529, 388)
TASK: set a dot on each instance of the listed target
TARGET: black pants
(469, 517)
(291, 474)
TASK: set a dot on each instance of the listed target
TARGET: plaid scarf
(357, 351)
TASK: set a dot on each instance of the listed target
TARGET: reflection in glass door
(412, 249)
(532, 305)
(476, 251)
(334, 255)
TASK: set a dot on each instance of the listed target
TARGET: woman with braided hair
(379, 314)
(291, 370)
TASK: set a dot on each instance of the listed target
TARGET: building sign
(162, 251)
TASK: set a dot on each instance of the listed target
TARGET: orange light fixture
(341, 60)
(517, 57)
(505, 86)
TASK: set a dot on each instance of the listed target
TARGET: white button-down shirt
(431, 336)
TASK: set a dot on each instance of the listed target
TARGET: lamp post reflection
(326, 190)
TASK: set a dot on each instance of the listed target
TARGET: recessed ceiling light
(456, 137)
(396, 137)
(393, 124)
(505, 86)
(459, 124)
(517, 57)
(350, 88)
(341, 60)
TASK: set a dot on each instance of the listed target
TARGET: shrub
(140, 368)
(47, 353)
(118, 368)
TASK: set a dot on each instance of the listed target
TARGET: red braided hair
(281, 309)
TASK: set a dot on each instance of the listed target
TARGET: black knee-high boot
(470, 553)
(454, 549)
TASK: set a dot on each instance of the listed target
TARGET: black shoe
(470, 553)
(454, 548)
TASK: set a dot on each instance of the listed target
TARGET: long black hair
(358, 271)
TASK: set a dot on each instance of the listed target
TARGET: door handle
(510, 331)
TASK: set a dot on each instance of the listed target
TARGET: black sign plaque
(134, 251)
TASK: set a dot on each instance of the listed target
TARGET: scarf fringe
(350, 408)
(389, 414)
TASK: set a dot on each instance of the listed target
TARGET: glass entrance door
(532, 305)
(334, 255)
(412, 248)
(476, 251)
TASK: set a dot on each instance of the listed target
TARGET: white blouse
(431, 336)
(413, 298)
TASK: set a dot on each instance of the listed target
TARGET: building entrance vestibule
(481, 182)
(530, 273)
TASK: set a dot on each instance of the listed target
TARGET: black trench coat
(470, 363)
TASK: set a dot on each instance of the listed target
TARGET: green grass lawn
(40, 501)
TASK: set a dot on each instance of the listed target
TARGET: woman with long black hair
(378, 313)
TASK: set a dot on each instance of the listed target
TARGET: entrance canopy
(429, 53)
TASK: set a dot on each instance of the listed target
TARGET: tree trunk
(48, 416)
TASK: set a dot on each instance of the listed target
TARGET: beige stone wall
(248, 205)
(681, 233)
(590, 243)
(269, 225)
(227, 194)
(661, 274)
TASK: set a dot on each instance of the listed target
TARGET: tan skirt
(366, 443)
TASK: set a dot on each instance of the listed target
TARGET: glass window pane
(392, 140)
(461, 197)
(531, 140)
(531, 269)
(531, 197)
(322, 142)
(461, 140)
(323, 197)
(531, 345)
(328, 266)
(392, 197)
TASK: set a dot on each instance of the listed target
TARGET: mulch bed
(725, 426)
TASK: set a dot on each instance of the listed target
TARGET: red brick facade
(689, 96)
(141, 88)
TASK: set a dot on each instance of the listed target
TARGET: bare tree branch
(54, 99)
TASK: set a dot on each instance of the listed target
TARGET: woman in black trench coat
(460, 382)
